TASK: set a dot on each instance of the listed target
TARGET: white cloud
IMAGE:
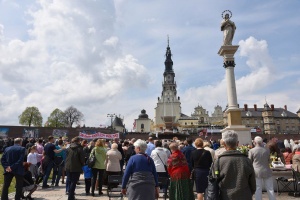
(112, 41)
(62, 64)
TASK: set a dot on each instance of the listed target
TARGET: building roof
(277, 113)
(118, 122)
(185, 117)
(143, 115)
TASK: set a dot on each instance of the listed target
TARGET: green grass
(13, 183)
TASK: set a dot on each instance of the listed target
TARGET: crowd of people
(186, 164)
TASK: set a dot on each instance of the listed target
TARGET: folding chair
(112, 190)
(284, 183)
(163, 182)
(296, 177)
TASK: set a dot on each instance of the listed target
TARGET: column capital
(229, 63)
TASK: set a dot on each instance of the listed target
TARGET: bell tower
(168, 107)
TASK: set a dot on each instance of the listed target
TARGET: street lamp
(111, 118)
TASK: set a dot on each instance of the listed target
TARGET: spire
(168, 61)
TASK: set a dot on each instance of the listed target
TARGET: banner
(94, 135)
(4, 133)
(30, 133)
(60, 133)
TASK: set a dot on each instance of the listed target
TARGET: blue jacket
(13, 156)
(187, 151)
(87, 172)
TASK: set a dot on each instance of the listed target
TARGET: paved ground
(58, 193)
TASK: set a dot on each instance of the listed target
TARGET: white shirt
(159, 162)
(32, 158)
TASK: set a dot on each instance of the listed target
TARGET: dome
(143, 115)
(267, 107)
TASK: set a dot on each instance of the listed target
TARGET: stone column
(233, 112)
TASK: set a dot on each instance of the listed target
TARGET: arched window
(142, 125)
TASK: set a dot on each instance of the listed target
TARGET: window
(142, 126)
(287, 128)
(278, 122)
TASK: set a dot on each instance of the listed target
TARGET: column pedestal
(234, 117)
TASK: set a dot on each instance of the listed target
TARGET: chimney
(255, 107)
(272, 107)
(285, 107)
(245, 107)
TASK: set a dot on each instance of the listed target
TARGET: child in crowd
(87, 178)
(33, 158)
(28, 184)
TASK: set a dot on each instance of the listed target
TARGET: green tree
(72, 115)
(31, 116)
(56, 119)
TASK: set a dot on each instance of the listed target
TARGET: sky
(107, 56)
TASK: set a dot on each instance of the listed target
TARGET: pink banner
(98, 135)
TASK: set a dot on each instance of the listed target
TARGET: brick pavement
(58, 193)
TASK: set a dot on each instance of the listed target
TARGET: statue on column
(228, 27)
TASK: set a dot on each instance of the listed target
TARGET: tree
(56, 119)
(72, 115)
(31, 116)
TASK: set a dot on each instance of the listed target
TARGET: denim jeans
(57, 171)
(47, 172)
(268, 182)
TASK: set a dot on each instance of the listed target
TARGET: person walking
(140, 177)
(74, 164)
(98, 169)
(180, 183)
(12, 162)
(260, 157)
(236, 172)
(160, 159)
(201, 161)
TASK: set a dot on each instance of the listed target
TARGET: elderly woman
(180, 185)
(140, 174)
(236, 172)
(112, 162)
(201, 162)
(99, 167)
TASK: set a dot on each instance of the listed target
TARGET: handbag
(192, 175)
(212, 191)
(92, 160)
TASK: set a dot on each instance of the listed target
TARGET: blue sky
(108, 56)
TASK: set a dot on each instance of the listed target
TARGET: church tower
(168, 110)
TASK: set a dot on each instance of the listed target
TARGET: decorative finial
(168, 40)
(266, 99)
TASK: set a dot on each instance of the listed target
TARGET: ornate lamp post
(111, 118)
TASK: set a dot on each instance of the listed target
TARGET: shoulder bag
(92, 160)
